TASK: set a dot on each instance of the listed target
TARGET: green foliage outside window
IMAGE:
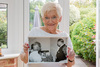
(81, 32)
(3, 29)
(81, 36)
(74, 14)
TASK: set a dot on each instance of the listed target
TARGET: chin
(51, 28)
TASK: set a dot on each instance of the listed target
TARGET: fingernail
(28, 45)
(67, 56)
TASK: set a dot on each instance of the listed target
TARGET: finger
(69, 49)
(25, 50)
(26, 46)
(71, 53)
(26, 43)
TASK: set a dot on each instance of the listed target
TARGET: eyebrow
(52, 16)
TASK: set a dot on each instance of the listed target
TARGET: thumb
(69, 49)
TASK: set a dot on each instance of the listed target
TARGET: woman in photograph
(51, 15)
(34, 55)
(62, 51)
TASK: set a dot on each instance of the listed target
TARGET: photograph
(47, 49)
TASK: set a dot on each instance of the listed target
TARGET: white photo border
(48, 62)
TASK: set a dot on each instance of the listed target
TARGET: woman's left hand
(71, 54)
(71, 57)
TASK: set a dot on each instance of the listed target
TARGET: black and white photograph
(47, 49)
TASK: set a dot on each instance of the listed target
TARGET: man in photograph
(62, 51)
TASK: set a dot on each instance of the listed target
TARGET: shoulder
(65, 34)
(34, 31)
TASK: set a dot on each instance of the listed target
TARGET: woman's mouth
(51, 24)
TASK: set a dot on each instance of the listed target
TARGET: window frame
(7, 23)
(97, 33)
(14, 26)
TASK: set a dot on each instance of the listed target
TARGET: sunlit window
(3, 25)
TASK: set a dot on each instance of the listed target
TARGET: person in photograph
(51, 15)
(34, 55)
(46, 56)
(62, 50)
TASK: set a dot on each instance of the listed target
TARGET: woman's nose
(50, 20)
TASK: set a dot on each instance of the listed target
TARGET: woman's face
(36, 47)
(51, 20)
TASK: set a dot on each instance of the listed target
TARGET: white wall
(64, 24)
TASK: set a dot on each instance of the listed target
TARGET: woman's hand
(71, 57)
(71, 54)
(24, 55)
(25, 48)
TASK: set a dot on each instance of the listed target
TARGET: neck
(54, 31)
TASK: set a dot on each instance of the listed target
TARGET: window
(3, 25)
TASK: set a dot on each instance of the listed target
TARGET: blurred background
(84, 26)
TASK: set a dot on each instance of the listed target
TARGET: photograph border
(47, 62)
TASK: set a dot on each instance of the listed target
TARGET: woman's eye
(54, 17)
(46, 18)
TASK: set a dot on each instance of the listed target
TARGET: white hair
(51, 6)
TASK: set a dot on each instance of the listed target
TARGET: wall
(13, 62)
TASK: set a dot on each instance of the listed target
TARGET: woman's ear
(60, 19)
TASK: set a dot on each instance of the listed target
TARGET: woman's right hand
(25, 48)
(24, 55)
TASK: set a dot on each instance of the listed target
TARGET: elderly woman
(51, 15)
